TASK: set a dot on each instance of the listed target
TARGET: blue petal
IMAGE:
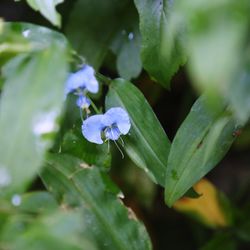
(91, 83)
(83, 102)
(75, 81)
(84, 78)
(112, 133)
(92, 127)
(119, 117)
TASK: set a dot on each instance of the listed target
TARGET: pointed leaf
(200, 143)
(161, 52)
(146, 144)
(48, 9)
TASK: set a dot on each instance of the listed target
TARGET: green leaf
(54, 230)
(37, 202)
(31, 101)
(83, 28)
(23, 38)
(239, 95)
(48, 9)
(211, 46)
(128, 60)
(76, 145)
(106, 221)
(161, 52)
(126, 46)
(200, 143)
(146, 144)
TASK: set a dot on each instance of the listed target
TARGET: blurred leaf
(128, 60)
(31, 102)
(218, 55)
(223, 240)
(37, 202)
(200, 143)
(126, 45)
(206, 208)
(48, 9)
(161, 52)
(214, 50)
(239, 95)
(24, 37)
(146, 144)
(54, 230)
(106, 220)
(83, 28)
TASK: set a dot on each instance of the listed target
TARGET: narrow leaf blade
(147, 144)
(200, 143)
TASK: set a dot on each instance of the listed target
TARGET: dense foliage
(70, 116)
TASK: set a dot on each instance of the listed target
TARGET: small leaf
(200, 143)
(146, 144)
(161, 53)
(106, 221)
(48, 9)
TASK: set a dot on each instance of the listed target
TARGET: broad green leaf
(31, 101)
(105, 219)
(161, 53)
(55, 230)
(48, 9)
(76, 145)
(200, 143)
(83, 28)
(37, 222)
(146, 144)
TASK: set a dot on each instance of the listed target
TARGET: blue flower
(82, 81)
(114, 123)
(83, 102)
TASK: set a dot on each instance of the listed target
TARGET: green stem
(95, 108)
(104, 79)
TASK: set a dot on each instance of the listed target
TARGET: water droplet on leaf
(16, 200)
(131, 36)
(26, 33)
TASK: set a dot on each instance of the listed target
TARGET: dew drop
(120, 195)
(16, 200)
(26, 33)
(131, 36)
(5, 178)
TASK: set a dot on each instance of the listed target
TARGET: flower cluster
(100, 127)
